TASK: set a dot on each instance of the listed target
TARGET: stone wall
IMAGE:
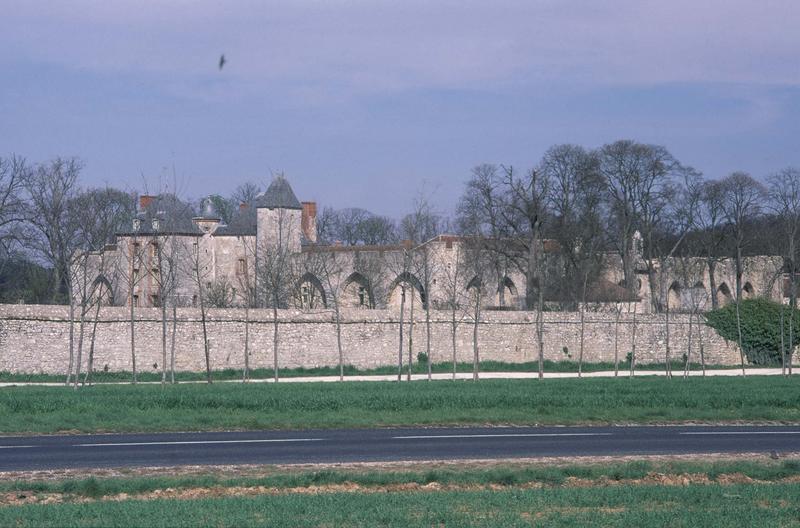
(35, 339)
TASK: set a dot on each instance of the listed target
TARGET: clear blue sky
(364, 103)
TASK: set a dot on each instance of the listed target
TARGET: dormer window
(137, 224)
(155, 224)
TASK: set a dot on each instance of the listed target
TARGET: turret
(279, 217)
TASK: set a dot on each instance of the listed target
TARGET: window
(136, 300)
(362, 296)
(154, 250)
(135, 275)
(241, 267)
(154, 300)
(305, 296)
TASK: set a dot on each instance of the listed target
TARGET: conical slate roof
(279, 194)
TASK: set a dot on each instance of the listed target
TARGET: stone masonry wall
(35, 339)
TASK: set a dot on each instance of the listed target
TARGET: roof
(279, 195)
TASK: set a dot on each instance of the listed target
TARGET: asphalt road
(366, 445)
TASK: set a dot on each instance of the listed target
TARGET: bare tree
(275, 272)
(784, 192)
(421, 227)
(197, 264)
(329, 267)
(247, 293)
(14, 173)
(54, 229)
(742, 200)
(574, 198)
(453, 289)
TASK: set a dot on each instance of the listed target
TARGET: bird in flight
(222, 61)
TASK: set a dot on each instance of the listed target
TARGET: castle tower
(279, 217)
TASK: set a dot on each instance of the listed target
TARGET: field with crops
(640, 493)
(192, 407)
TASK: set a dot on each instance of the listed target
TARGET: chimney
(308, 221)
(145, 200)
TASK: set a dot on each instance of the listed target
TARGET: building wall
(35, 339)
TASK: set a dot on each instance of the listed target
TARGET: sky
(369, 103)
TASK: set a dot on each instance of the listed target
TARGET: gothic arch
(726, 294)
(102, 289)
(357, 292)
(309, 292)
(748, 291)
(674, 296)
(413, 282)
(507, 293)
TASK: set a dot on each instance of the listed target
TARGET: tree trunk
(540, 329)
(667, 354)
(475, 351)
(689, 348)
(339, 338)
(410, 336)
(133, 336)
(172, 344)
(712, 282)
(71, 336)
(616, 341)
(783, 346)
(275, 338)
(739, 330)
(400, 352)
(80, 346)
(246, 372)
(454, 330)
(580, 350)
(633, 342)
(428, 336)
(702, 350)
(163, 338)
(205, 339)
(90, 367)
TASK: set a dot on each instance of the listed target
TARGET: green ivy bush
(761, 328)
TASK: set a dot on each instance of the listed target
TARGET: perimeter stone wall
(35, 339)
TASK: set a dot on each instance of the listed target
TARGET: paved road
(330, 446)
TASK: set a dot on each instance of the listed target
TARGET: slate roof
(279, 195)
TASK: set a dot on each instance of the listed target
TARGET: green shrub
(761, 328)
(422, 357)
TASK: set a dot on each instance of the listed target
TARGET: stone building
(168, 253)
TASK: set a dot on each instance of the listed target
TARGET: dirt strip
(258, 470)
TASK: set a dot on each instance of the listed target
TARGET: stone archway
(309, 293)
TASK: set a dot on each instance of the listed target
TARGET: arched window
(357, 292)
(403, 287)
(309, 293)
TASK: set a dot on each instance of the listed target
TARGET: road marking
(14, 447)
(738, 432)
(195, 442)
(507, 435)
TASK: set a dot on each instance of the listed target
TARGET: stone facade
(35, 339)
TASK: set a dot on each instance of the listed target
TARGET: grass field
(368, 404)
(640, 493)
(349, 370)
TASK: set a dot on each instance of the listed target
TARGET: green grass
(350, 370)
(370, 404)
(502, 474)
(642, 506)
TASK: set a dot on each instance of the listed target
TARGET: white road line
(739, 432)
(15, 447)
(508, 435)
(195, 442)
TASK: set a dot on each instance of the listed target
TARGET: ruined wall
(36, 338)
